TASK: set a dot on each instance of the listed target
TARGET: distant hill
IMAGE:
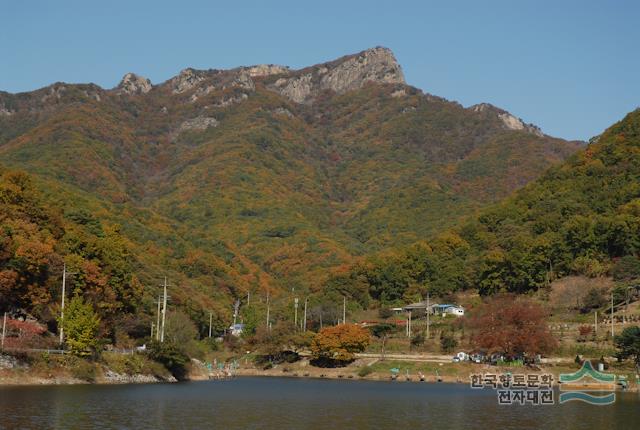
(581, 217)
(265, 178)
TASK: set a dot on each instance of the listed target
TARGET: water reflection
(274, 403)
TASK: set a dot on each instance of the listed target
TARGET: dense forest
(38, 240)
(581, 217)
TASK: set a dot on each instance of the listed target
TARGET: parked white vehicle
(461, 356)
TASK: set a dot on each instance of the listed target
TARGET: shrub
(594, 299)
(171, 357)
(447, 342)
(133, 364)
(83, 370)
(364, 371)
(385, 313)
(585, 330)
(418, 339)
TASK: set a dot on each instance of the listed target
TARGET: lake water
(292, 403)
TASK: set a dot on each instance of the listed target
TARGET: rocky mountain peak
(134, 84)
(344, 74)
(266, 70)
(187, 79)
(373, 65)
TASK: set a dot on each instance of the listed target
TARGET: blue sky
(572, 67)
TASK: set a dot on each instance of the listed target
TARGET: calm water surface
(290, 403)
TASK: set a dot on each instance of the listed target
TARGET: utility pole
(304, 322)
(410, 315)
(158, 318)
(164, 309)
(344, 309)
(596, 320)
(248, 297)
(428, 314)
(210, 321)
(611, 315)
(268, 308)
(4, 329)
(236, 309)
(626, 307)
(295, 312)
(406, 326)
(64, 293)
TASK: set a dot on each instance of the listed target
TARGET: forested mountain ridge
(581, 217)
(262, 177)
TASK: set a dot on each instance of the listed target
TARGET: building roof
(418, 305)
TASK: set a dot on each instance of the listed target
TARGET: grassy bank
(110, 368)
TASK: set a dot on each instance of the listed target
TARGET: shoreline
(434, 373)
(66, 381)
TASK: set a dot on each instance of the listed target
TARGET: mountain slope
(236, 181)
(581, 217)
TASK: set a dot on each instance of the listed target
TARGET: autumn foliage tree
(337, 345)
(81, 324)
(511, 325)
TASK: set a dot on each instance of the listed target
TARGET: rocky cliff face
(342, 75)
(509, 121)
(134, 84)
(187, 79)
(229, 87)
(345, 74)
(199, 83)
(267, 70)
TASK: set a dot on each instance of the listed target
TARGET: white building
(455, 310)
(236, 329)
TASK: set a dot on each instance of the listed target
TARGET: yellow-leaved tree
(81, 324)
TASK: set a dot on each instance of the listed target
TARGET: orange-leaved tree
(338, 344)
(511, 325)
